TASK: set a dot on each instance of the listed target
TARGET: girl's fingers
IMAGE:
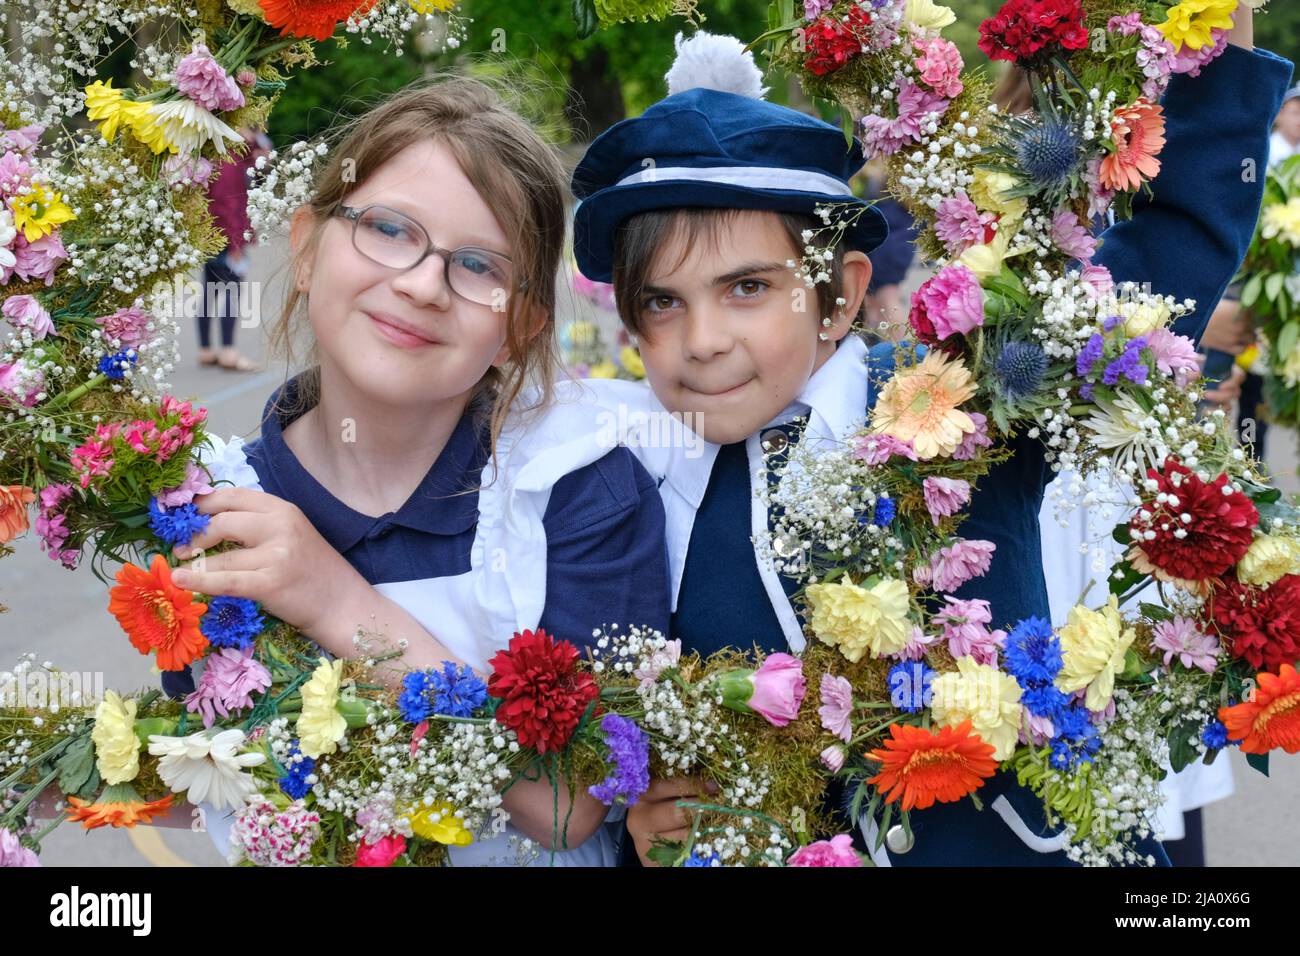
(673, 788)
(241, 527)
(232, 573)
(233, 499)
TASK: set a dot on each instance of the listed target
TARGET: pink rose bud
(837, 851)
(774, 691)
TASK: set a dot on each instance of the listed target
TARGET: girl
(693, 210)
(405, 484)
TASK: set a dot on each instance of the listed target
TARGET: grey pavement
(63, 617)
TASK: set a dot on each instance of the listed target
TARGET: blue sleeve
(1190, 238)
(607, 559)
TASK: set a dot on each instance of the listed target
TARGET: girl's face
(731, 334)
(405, 338)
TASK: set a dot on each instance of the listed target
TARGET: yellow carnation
(440, 823)
(1283, 221)
(320, 725)
(1189, 23)
(117, 748)
(988, 193)
(249, 8)
(985, 258)
(928, 15)
(986, 697)
(1143, 319)
(857, 619)
(1093, 645)
(1269, 558)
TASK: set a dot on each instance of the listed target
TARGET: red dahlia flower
(832, 42)
(543, 695)
(1262, 623)
(1026, 31)
(1192, 530)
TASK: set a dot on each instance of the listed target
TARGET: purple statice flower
(1090, 354)
(629, 753)
(230, 679)
(1129, 365)
(200, 77)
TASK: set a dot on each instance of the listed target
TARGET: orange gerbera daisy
(923, 766)
(14, 500)
(311, 18)
(1139, 134)
(157, 615)
(118, 806)
(919, 405)
(1271, 719)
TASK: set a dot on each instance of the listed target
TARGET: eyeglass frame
(353, 215)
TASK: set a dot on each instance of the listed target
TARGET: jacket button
(899, 840)
(773, 441)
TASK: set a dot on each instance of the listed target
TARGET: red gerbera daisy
(311, 18)
(1191, 530)
(1271, 718)
(921, 766)
(1262, 623)
(543, 695)
(157, 615)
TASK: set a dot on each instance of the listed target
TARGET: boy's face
(730, 334)
(1288, 121)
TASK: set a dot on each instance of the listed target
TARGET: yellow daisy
(39, 211)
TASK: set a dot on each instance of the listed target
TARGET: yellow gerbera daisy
(1191, 21)
(39, 211)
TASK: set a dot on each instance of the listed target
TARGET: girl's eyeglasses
(397, 241)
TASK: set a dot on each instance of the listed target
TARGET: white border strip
(766, 177)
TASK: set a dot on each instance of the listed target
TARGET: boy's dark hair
(640, 241)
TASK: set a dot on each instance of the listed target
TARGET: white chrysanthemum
(190, 126)
(1122, 428)
(207, 767)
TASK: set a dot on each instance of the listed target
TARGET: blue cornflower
(1067, 754)
(886, 508)
(629, 753)
(176, 525)
(415, 701)
(457, 691)
(294, 783)
(231, 622)
(1090, 354)
(699, 859)
(1215, 735)
(909, 685)
(1073, 722)
(115, 365)
(1033, 652)
(1020, 368)
(1044, 700)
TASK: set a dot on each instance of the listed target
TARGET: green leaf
(1273, 285)
(1251, 292)
(1156, 612)
(76, 765)
(1182, 745)
(1122, 534)
(1129, 576)
(1259, 762)
(665, 854)
(584, 15)
(1286, 339)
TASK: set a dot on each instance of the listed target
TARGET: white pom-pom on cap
(713, 61)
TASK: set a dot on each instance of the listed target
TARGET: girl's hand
(283, 562)
(656, 815)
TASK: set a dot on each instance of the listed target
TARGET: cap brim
(599, 216)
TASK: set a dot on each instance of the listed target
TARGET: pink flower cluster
(269, 836)
(1071, 236)
(944, 497)
(1182, 639)
(95, 457)
(20, 384)
(882, 136)
(965, 628)
(1175, 355)
(959, 224)
(200, 77)
(231, 677)
(878, 449)
(52, 525)
(954, 565)
(1191, 61)
(1157, 57)
(939, 62)
(837, 851)
(129, 326)
(35, 260)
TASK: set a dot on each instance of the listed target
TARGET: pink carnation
(1071, 236)
(918, 643)
(1099, 197)
(1099, 280)
(200, 77)
(1182, 639)
(837, 851)
(944, 497)
(195, 483)
(1175, 355)
(958, 563)
(23, 139)
(24, 312)
(128, 326)
(878, 449)
(230, 679)
(965, 628)
(382, 852)
(883, 136)
(836, 710)
(13, 853)
(1037, 730)
(952, 301)
(832, 758)
(940, 65)
(187, 170)
(959, 224)
(971, 442)
(21, 384)
(37, 260)
(1191, 61)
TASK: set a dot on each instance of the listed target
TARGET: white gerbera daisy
(188, 125)
(1123, 427)
(207, 767)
